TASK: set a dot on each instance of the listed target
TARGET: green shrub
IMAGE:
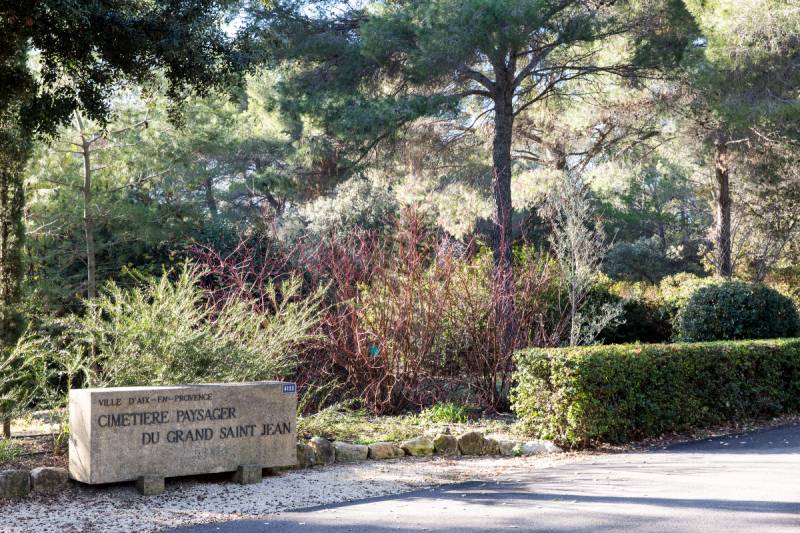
(675, 291)
(165, 332)
(356, 204)
(737, 310)
(23, 376)
(643, 260)
(584, 395)
(641, 321)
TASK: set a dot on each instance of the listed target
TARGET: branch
(527, 155)
(576, 72)
(137, 181)
(144, 122)
(378, 139)
(737, 141)
(468, 129)
(551, 87)
(60, 183)
(474, 92)
(476, 76)
(541, 52)
(42, 227)
(116, 146)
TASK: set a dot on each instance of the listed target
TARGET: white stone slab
(120, 434)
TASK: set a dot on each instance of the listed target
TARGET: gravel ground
(188, 501)
(120, 508)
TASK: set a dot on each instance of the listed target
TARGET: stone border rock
(20, 483)
(46, 479)
(321, 451)
(310, 453)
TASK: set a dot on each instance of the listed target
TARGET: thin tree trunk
(661, 231)
(88, 220)
(88, 224)
(722, 211)
(7, 429)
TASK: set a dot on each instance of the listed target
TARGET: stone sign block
(124, 433)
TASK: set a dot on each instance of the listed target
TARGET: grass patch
(39, 422)
(9, 450)
(342, 423)
(448, 413)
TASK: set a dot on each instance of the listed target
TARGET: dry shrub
(409, 319)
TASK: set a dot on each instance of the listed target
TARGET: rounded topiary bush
(737, 310)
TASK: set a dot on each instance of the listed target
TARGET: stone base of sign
(385, 450)
(536, 447)
(503, 445)
(248, 474)
(472, 443)
(150, 485)
(19, 483)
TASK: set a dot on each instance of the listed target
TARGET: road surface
(748, 482)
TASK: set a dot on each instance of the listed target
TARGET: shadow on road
(741, 483)
(779, 440)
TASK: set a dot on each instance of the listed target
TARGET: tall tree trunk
(7, 429)
(722, 211)
(501, 188)
(503, 283)
(88, 222)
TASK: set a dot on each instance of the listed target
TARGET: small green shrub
(737, 310)
(641, 321)
(24, 374)
(447, 413)
(580, 396)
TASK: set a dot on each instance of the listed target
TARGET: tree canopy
(84, 51)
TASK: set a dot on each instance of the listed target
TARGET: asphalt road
(748, 482)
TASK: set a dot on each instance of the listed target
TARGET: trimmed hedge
(579, 396)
